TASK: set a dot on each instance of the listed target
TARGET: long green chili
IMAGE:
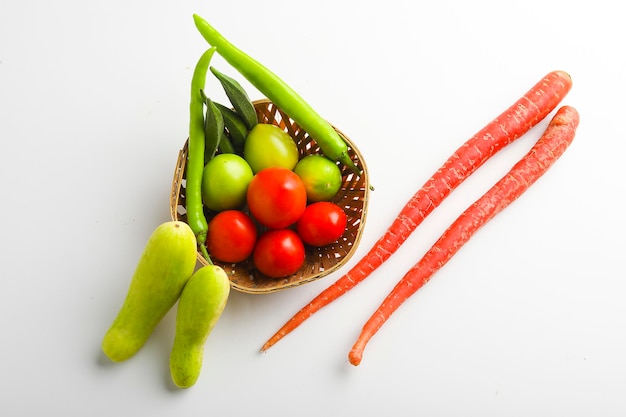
(268, 83)
(195, 162)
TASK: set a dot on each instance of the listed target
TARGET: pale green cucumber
(167, 263)
(200, 306)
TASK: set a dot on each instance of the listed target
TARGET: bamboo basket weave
(320, 261)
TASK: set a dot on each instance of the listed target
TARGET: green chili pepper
(268, 83)
(195, 163)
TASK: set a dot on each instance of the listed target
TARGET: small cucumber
(238, 98)
(167, 263)
(200, 306)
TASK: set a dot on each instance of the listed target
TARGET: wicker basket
(320, 261)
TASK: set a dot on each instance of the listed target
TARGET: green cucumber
(167, 263)
(200, 306)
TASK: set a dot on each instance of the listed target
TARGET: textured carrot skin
(553, 143)
(518, 119)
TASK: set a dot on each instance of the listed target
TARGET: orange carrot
(557, 137)
(529, 110)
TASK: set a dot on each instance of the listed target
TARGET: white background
(529, 318)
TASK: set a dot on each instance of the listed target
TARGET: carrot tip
(269, 343)
(355, 358)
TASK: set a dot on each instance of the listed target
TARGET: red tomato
(276, 197)
(279, 253)
(231, 236)
(321, 223)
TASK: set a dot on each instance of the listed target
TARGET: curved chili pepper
(268, 83)
(195, 162)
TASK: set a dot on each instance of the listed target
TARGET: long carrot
(529, 110)
(557, 137)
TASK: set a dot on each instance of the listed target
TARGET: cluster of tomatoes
(269, 203)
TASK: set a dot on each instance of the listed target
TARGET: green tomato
(269, 146)
(321, 177)
(225, 182)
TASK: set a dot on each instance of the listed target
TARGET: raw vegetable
(225, 181)
(279, 253)
(166, 264)
(276, 197)
(557, 137)
(529, 110)
(232, 235)
(237, 130)
(238, 98)
(225, 145)
(321, 177)
(275, 89)
(213, 130)
(200, 306)
(195, 164)
(269, 146)
(321, 224)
